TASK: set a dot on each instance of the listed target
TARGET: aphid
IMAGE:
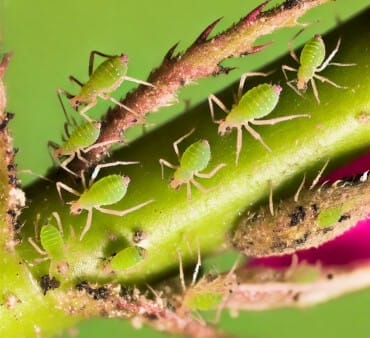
(194, 159)
(108, 190)
(128, 258)
(102, 82)
(312, 61)
(80, 141)
(52, 244)
(310, 218)
(210, 292)
(256, 103)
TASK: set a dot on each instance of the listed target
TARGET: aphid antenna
(61, 185)
(244, 77)
(178, 141)
(30, 172)
(97, 169)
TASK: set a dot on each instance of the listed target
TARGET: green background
(52, 40)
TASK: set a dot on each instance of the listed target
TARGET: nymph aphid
(81, 140)
(249, 108)
(312, 61)
(194, 159)
(52, 243)
(102, 82)
(128, 258)
(108, 190)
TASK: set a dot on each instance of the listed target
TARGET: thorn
(169, 54)
(223, 70)
(204, 35)
(253, 15)
(4, 63)
(258, 48)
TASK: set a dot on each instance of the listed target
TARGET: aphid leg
(181, 271)
(88, 223)
(97, 169)
(318, 176)
(239, 142)
(199, 186)
(163, 162)
(80, 157)
(92, 57)
(67, 161)
(98, 145)
(290, 46)
(284, 69)
(244, 77)
(188, 191)
(123, 212)
(178, 141)
(324, 79)
(214, 99)
(52, 146)
(315, 91)
(85, 109)
(69, 121)
(128, 78)
(36, 247)
(78, 82)
(296, 196)
(256, 135)
(271, 200)
(59, 222)
(212, 173)
(30, 172)
(278, 119)
(61, 185)
(140, 118)
(291, 85)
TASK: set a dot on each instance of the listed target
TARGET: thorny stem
(202, 59)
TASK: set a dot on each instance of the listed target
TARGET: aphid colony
(249, 109)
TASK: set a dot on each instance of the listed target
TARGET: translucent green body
(52, 242)
(312, 56)
(127, 258)
(194, 159)
(83, 136)
(108, 190)
(204, 301)
(254, 104)
(105, 79)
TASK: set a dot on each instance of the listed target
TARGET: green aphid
(330, 216)
(128, 258)
(249, 108)
(312, 61)
(204, 300)
(102, 82)
(195, 158)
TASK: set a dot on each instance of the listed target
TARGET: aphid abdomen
(312, 56)
(83, 136)
(204, 300)
(196, 157)
(52, 242)
(106, 77)
(128, 258)
(255, 103)
(108, 190)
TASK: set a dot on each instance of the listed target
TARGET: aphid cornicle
(250, 107)
(194, 159)
(108, 190)
(312, 61)
(52, 244)
(103, 81)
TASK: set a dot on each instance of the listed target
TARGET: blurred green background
(52, 40)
